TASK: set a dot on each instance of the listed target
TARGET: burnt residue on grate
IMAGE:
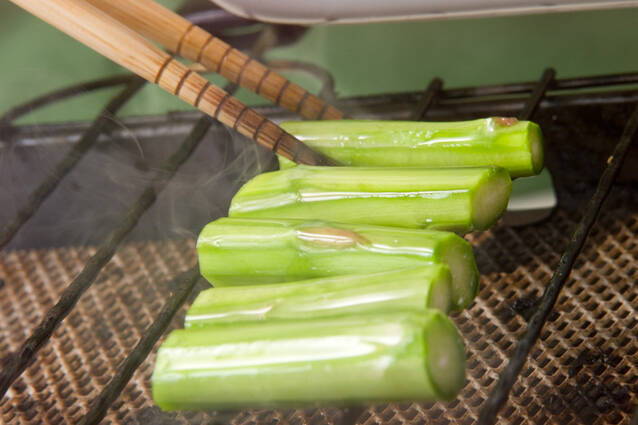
(526, 306)
(591, 392)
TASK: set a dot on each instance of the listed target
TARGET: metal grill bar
(535, 98)
(429, 97)
(448, 95)
(327, 90)
(549, 102)
(562, 84)
(187, 283)
(58, 95)
(537, 94)
(507, 378)
(17, 363)
(397, 105)
(70, 160)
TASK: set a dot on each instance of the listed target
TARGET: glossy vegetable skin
(456, 199)
(506, 142)
(402, 290)
(238, 251)
(351, 359)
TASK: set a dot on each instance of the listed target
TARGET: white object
(316, 12)
(533, 199)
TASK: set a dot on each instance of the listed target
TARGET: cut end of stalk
(458, 255)
(445, 356)
(440, 296)
(536, 147)
(491, 198)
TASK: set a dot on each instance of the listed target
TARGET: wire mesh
(508, 376)
(584, 368)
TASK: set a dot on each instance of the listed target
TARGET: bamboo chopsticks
(121, 44)
(179, 36)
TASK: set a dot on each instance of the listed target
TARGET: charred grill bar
(71, 159)
(428, 99)
(186, 285)
(491, 329)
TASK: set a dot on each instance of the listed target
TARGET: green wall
(364, 59)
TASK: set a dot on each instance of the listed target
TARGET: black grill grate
(609, 297)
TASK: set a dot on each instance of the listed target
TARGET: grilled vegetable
(375, 293)
(457, 199)
(506, 142)
(344, 360)
(235, 251)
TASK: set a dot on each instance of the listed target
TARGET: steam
(94, 197)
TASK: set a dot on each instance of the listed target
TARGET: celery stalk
(506, 142)
(374, 293)
(457, 199)
(236, 251)
(352, 359)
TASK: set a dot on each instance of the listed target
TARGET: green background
(364, 59)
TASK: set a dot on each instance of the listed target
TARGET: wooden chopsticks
(123, 45)
(179, 36)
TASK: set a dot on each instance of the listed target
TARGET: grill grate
(584, 368)
(551, 293)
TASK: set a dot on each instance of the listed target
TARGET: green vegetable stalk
(242, 251)
(389, 357)
(457, 199)
(402, 290)
(506, 142)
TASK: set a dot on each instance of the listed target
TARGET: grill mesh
(583, 370)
